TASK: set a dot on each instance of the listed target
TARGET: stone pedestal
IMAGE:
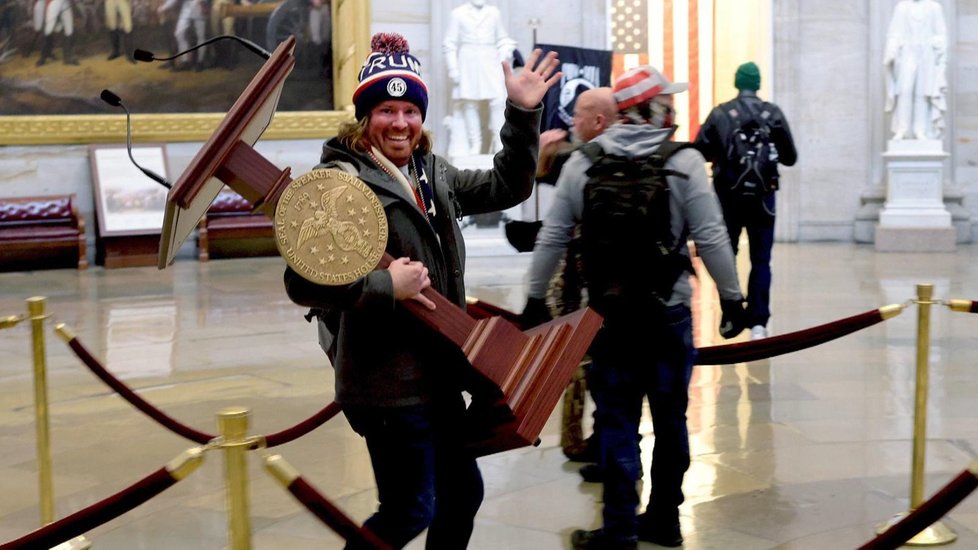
(914, 218)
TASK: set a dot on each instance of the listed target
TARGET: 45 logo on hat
(390, 72)
(396, 87)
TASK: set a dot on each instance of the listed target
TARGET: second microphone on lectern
(115, 101)
(146, 56)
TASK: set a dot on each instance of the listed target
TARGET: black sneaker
(662, 533)
(596, 540)
(591, 473)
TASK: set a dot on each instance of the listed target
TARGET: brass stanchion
(936, 533)
(233, 425)
(10, 321)
(35, 308)
(36, 313)
(959, 305)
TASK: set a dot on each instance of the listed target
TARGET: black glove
(535, 313)
(734, 319)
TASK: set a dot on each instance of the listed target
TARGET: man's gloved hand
(534, 313)
(734, 319)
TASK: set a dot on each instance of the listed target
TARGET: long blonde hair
(353, 135)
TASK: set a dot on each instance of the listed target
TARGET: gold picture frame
(85, 129)
(351, 42)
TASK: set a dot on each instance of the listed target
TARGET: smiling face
(394, 127)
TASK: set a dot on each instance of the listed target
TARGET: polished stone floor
(805, 451)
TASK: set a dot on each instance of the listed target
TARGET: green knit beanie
(748, 77)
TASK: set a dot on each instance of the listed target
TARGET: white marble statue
(474, 46)
(915, 58)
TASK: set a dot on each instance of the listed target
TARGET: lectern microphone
(115, 101)
(143, 55)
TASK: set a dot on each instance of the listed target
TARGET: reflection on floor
(804, 451)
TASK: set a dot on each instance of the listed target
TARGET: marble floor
(809, 450)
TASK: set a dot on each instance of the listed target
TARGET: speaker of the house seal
(330, 227)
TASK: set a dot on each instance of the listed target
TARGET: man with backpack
(638, 198)
(745, 139)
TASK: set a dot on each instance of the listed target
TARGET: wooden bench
(41, 233)
(230, 229)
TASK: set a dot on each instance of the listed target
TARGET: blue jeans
(425, 478)
(757, 217)
(655, 363)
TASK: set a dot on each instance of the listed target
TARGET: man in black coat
(753, 210)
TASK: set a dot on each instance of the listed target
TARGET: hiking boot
(586, 452)
(591, 473)
(663, 533)
(758, 332)
(596, 540)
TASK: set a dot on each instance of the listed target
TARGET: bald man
(594, 111)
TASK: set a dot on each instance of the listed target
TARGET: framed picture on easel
(129, 204)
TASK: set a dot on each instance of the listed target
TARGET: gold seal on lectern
(330, 227)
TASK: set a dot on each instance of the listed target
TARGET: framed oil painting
(56, 56)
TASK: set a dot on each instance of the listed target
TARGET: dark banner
(583, 69)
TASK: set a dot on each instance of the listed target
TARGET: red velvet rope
(744, 351)
(304, 427)
(332, 516)
(786, 343)
(91, 517)
(271, 440)
(134, 399)
(925, 514)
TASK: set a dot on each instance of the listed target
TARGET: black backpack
(631, 261)
(751, 155)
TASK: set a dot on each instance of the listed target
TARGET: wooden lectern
(528, 370)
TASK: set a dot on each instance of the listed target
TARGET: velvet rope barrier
(793, 341)
(304, 427)
(126, 393)
(757, 349)
(927, 513)
(322, 508)
(271, 440)
(967, 306)
(112, 507)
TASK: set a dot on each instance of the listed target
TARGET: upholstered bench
(229, 229)
(41, 233)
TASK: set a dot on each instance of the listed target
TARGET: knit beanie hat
(748, 77)
(389, 72)
(641, 84)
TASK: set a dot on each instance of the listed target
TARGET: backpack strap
(662, 154)
(755, 114)
(676, 263)
(592, 150)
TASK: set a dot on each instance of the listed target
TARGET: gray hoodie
(694, 212)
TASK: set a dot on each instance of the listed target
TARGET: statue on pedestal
(474, 46)
(915, 58)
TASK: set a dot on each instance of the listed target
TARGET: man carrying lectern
(398, 382)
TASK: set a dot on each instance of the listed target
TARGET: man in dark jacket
(398, 381)
(751, 211)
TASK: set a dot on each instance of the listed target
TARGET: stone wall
(827, 77)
